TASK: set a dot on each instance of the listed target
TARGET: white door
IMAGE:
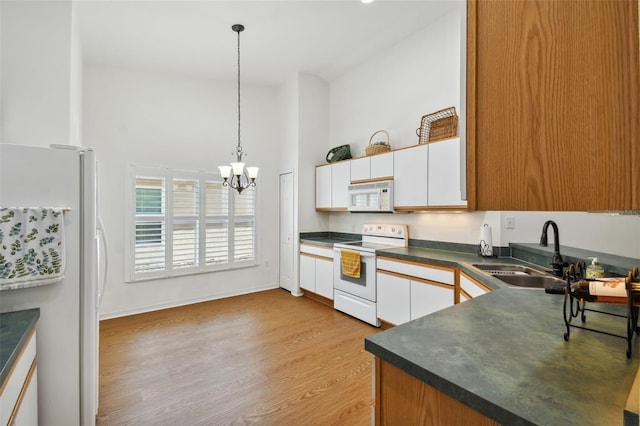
(286, 231)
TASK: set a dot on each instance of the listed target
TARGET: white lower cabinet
(19, 396)
(307, 272)
(427, 298)
(394, 298)
(324, 278)
(409, 290)
(470, 288)
(316, 270)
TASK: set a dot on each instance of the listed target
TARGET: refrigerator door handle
(103, 281)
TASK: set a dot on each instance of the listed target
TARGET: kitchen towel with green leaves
(31, 247)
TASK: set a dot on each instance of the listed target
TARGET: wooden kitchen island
(501, 359)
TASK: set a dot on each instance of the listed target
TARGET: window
(187, 222)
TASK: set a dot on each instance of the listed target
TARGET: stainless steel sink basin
(520, 276)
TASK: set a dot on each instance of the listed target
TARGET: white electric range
(357, 296)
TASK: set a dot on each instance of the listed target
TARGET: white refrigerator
(67, 332)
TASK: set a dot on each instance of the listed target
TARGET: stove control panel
(385, 230)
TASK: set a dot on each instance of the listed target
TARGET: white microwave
(371, 197)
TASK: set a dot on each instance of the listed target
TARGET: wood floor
(265, 358)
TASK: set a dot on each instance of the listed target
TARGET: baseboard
(151, 308)
(318, 298)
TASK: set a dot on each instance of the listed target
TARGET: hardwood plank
(266, 358)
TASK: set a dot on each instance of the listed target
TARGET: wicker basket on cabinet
(378, 147)
(438, 125)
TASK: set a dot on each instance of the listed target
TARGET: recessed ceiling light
(366, 1)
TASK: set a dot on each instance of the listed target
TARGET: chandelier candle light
(242, 178)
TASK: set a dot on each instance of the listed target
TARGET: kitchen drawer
(412, 269)
(322, 251)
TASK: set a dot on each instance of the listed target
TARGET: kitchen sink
(521, 276)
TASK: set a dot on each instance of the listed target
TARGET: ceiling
(194, 38)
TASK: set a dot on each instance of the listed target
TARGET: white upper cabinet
(382, 165)
(410, 176)
(340, 180)
(426, 177)
(374, 167)
(332, 181)
(323, 187)
(360, 169)
(444, 174)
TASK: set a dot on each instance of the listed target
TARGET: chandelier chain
(239, 148)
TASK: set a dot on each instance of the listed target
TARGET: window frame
(134, 172)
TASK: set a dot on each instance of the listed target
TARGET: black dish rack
(575, 306)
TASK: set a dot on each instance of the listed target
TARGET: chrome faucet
(556, 261)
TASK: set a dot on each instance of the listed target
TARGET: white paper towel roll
(486, 245)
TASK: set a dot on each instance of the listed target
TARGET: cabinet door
(382, 165)
(360, 169)
(553, 130)
(470, 288)
(410, 177)
(308, 273)
(444, 174)
(323, 187)
(394, 298)
(428, 298)
(324, 278)
(340, 180)
(27, 413)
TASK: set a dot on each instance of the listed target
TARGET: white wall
(313, 136)
(395, 88)
(36, 60)
(153, 119)
(420, 75)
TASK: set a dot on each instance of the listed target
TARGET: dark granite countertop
(504, 355)
(15, 329)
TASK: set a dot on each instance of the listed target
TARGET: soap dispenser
(594, 270)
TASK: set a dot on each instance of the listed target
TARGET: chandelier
(242, 177)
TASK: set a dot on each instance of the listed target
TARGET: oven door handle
(362, 253)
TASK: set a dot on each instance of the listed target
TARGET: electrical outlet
(415, 232)
(510, 222)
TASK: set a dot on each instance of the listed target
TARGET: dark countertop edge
(445, 386)
(327, 238)
(28, 327)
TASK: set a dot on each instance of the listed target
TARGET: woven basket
(438, 125)
(378, 148)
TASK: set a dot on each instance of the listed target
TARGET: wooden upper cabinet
(553, 116)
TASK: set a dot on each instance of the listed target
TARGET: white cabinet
(19, 398)
(324, 278)
(340, 180)
(444, 174)
(375, 167)
(360, 169)
(394, 298)
(427, 177)
(410, 177)
(316, 269)
(429, 297)
(470, 288)
(408, 290)
(332, 181)
(307, 272)
(382, 165)
(323, 187)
